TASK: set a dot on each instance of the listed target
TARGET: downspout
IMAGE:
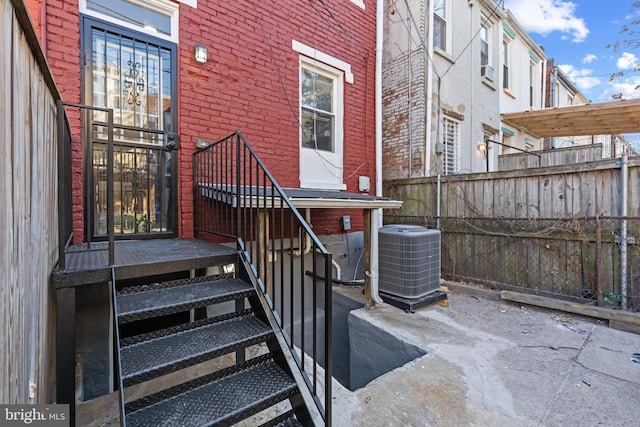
(438, 203)
(307, 246)
(429, 85)
(376, 219)
(624, 166)
(552, 97)
(543, 96)
(427, 131)
(544, 85)
(409, 110)
(307, 243)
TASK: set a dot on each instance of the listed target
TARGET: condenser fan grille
(408, 260)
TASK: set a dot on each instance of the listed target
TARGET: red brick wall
(239, 87)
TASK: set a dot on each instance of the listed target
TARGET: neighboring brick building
(260, 54)
(441, 86)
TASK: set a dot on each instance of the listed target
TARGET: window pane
(317, 91)
(439, 33)
(484, 46)
(439, 8)
(133, 14)
(505, 76)
(318, 130)
(484, 53)
(134, 79)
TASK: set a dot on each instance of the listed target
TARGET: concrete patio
(494, 363)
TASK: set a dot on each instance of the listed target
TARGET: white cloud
(546, 16)
(589, 58)
(626, 88)
(582, 77)
(627, 61)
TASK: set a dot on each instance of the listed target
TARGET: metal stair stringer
(308, 409)
(151, 357)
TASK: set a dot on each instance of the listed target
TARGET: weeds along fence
(579, 258)
(554, 230)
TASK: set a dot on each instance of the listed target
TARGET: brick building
(295, 77)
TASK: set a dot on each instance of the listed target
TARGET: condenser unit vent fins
(408, 260)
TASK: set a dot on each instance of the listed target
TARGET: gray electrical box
(408, 260)
(346, 222)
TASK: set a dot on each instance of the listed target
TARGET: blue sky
(576, 33)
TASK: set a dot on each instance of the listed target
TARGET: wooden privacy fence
(28, 220)
(554, 230)
(557, 157)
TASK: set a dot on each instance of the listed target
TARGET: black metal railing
(237, 199)
(65, 204)
(65, 207)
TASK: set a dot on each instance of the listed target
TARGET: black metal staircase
(222, 397)
(277, 307)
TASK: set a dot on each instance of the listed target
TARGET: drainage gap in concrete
(361, 351)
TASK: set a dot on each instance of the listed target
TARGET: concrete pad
(495, 363)
(609, 351)
(589, 398)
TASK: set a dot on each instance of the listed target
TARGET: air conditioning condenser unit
(408, 260)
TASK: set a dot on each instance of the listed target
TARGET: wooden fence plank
(559, 194)
(28, 220)
(6, 214)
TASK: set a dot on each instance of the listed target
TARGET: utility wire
(323, 160)
(352, 40)
(473, 38)
(423, 40)
(275, 62)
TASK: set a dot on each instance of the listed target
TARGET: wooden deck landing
(138, 258)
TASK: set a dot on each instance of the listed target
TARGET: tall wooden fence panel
(557, 157)
(532, 228)
(28, 214)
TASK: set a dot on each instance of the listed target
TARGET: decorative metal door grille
(134, 76)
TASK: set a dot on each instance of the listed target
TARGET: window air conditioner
(487, 72)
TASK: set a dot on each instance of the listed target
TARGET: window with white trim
(484, 45)
(441, 27)
(531, 84)
(318, 110)
(451, 146)
(505, 65)
(321, 125)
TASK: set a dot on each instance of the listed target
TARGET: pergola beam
(610, 118)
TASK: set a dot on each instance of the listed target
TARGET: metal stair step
(167, 299)
(158, 356)
(221, 402)
(288, 419)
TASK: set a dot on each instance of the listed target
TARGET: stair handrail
(117, 348)
(65, 208)
(235, 197)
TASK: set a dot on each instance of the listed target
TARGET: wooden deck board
(137, 258)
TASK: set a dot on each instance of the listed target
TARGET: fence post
(599, 261)
(624, 166)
